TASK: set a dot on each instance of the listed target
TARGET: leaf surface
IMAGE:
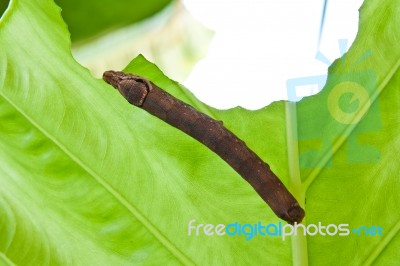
(100, 16)
(88, 179)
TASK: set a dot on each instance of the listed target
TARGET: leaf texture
(88, 179)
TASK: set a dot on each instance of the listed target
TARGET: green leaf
(3, 6)
(87, 179)
(348, 145)
(99, 17)
(86, 19)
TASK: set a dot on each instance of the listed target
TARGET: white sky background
(260, 44)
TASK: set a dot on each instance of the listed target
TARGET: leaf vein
(5, 259)
(382, 244)
(339, 143)
(120, 198)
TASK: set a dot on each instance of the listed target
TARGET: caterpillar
(143, 93)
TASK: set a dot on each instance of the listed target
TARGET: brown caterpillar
(144, 94)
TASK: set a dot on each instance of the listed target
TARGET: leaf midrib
(120, 198)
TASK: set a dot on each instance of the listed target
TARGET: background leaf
(100, 16)
(3, 6)
(88, 179)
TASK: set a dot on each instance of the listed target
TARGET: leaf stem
(299, 241)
